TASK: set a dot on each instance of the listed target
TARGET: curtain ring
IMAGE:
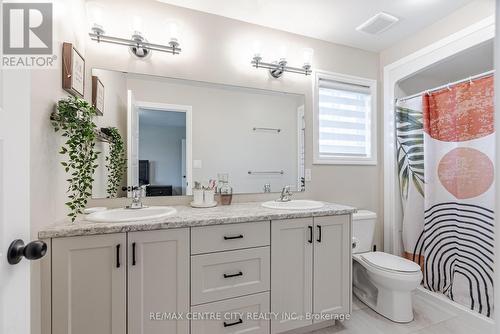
(428, 93)
(470, 81)
(448, 86)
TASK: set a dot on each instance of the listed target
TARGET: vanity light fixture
(138, 44)
(277, 68)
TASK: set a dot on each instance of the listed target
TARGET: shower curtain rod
(428, 91)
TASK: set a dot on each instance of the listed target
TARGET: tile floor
(429, 319)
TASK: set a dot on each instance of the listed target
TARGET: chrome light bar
(138, 45)
(277, 69)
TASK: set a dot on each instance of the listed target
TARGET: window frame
(353, 80)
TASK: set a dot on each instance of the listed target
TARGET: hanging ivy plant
(74, 117)
(115, 161)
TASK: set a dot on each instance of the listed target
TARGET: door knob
(32, 251)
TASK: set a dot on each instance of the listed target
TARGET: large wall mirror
(178, 132)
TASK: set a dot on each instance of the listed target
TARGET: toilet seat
(389, 263)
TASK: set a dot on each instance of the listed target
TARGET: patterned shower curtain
(410, 157)
(455, 244)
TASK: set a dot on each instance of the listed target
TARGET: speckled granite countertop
(191, 217)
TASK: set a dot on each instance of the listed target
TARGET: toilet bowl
(382, 281)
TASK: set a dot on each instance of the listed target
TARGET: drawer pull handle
(233, 237)
(233, 323)
(118, 256)
(233, 275)
(133, 254)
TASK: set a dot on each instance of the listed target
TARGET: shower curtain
(455, 244)
(410, 158)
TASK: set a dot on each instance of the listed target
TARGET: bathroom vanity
(238, 260)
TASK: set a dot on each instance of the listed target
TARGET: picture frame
(98, 95)
(73, 70)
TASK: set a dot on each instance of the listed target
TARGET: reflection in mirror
(180, 132)
(162, 152)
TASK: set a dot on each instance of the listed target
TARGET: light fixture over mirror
(138, 44)
(277, 68)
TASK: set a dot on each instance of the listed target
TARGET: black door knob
(33, 251)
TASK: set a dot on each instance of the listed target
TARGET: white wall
(115, 114)
(218, 49)
(48, 185)
(162, 146)
(215, 49)
(223, 118)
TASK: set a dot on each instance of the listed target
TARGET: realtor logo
(27, 28)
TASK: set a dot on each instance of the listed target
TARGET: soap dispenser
(225, 190)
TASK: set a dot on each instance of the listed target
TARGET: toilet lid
(390, 262)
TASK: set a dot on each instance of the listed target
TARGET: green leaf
(410, 143)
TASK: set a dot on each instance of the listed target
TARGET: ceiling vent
(378, 24)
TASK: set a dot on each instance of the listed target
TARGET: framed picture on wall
(98, 95)
(73, 70)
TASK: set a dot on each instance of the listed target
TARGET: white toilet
(382, 281)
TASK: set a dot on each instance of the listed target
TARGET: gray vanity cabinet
(89, 284)
(311, 269)
(93, 275)
(332, 265)
(147, 282)
(291, 277)
(158, 281)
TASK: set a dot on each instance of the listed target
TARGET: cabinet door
(158, 281)
(332, 265)
(291, 272)
(89, 284)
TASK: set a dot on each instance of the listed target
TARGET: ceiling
(332, 20)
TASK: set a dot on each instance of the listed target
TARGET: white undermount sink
(299, 204)
(128, 215)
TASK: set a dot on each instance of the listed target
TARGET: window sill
(367, 162)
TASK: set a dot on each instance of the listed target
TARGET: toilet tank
(363, 230)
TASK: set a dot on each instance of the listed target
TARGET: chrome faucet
(138, 192)
(286, 194)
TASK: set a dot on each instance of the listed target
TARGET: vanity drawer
(229, 274)
(217, 238)
(234, 316)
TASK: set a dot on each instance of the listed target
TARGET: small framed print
(73, 70)
(98, 95)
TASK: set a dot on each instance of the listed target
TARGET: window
(345, 120)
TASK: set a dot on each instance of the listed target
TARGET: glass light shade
(137, 24)
(308, 56)
(257, 49)
(174, 31)
(282, 52)
(95, 14)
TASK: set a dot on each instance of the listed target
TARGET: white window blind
(345, 117)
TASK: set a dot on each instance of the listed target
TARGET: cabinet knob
(32, 251)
